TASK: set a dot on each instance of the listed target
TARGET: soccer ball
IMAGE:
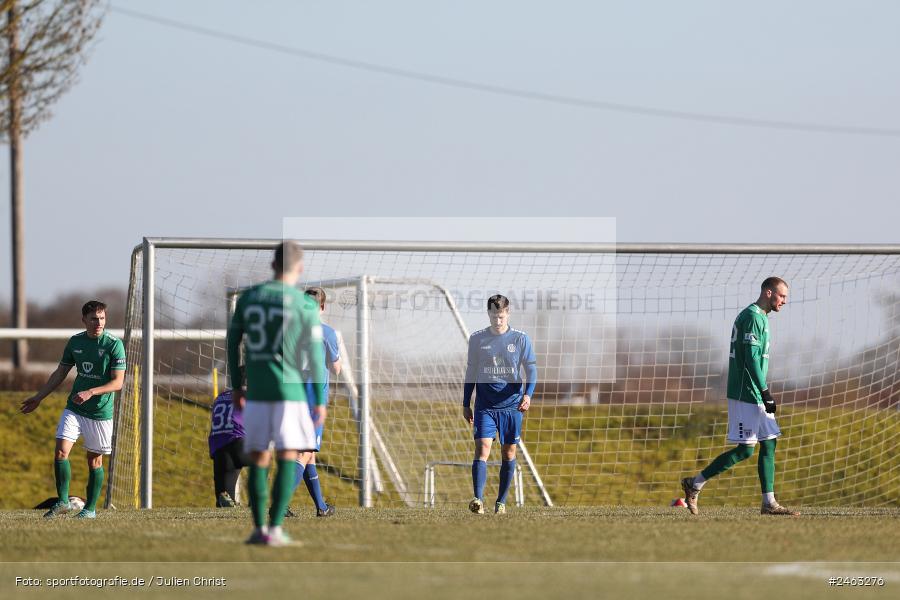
(679, 502)
(76, 503)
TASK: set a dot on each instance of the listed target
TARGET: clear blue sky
(171, 133)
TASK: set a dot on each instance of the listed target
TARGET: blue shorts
(319, 430)
(508, 423)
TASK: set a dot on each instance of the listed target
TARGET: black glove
(769, 401)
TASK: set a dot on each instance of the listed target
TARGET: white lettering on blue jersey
(496, 364)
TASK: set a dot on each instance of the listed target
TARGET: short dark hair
(287, 255)
(92, 306)
(317, 293)
(770, 283)
(498, 301)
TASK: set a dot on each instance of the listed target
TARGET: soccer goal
(631, 341)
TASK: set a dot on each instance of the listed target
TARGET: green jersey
(281, 331)
(748, 359)
(94, 360)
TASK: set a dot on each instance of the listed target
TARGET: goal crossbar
(144, 256)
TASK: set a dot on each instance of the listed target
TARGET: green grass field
(627, 552)
(637, 552)
(630, 455)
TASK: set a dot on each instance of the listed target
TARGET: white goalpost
(372, 447)
(631, 343)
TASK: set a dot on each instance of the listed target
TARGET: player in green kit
(99, 360)
(751, 406)
(280, 328)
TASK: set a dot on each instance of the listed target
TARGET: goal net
(631, 343)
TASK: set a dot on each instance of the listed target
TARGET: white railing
(191, 335)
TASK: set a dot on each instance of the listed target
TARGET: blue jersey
(495, 366)
(332, 354)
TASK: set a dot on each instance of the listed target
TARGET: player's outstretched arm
(53, 382)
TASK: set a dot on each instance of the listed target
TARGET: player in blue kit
(497, 356)
(306, 461)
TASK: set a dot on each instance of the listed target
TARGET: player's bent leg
(63, 448)
(723, 462)
(62, 469)
(727, 459)
(303, 460)
(311, 479)
(227, 464)
(219, 460)
(67, 433)
(62, 473)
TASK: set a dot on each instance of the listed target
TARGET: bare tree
(46, 42)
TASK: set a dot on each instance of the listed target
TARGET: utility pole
(19, 306)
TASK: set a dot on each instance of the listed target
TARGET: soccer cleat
(289, 513)
(86, 514)
(476, 506)
(325, 512)
(777, 509)
(499, 508)
(224, 500)
(277, 538)
(258, 537)
(60, 508)
(690, 494)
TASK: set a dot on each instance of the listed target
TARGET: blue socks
(298, 474)
(479, 477)
(311, 478)
(507, 470)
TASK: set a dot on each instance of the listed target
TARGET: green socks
(95, 484)
(282, 491)
(62, 471)
(766, 465)
(728, 459)
(258, 485)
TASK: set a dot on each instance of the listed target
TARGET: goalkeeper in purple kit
(226, 448)
(497, 355)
